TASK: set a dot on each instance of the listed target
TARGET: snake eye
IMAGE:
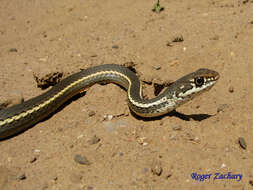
(199, 81)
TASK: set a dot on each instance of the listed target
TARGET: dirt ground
(94, 142)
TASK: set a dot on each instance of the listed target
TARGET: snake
(20, 117)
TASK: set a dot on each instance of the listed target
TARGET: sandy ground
(46, 36)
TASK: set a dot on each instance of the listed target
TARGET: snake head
(195, 83)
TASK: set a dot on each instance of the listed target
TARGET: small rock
(90, 188)
(169, 44)
(81, 159)
(108, 117)
(223, 165)
(91, 113)
(242, 142)
(115, 47)
(231, 89)
(157, 67)
(216, 37)
(80, 136)
(43, 59)
(121, 154)
(94, 140)
(33, 159)
(177, 127)
(168, 175)
(37, 151)
(156, 168)
(178, 38)
(142, 141)
(13, 50)
(251, 182)
(22, 177)
(190, 135)
(222, 107)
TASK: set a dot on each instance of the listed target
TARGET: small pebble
(22, 177)
(94, 140)
(242, 142)
(222, 107)
(13, 50)
(158, 67)
(216, 37)
(251, 182)
(223, 165)
(43, 59)
(156, 168)
(80, 136)
(190, 135)
(168, 175)
(33, 159)
(178, 38)
(231, 89)
(108, 117)
(177, 127)
(91, 113)
(169, 44)
(81, 159)
(115, 47)
(37, 151)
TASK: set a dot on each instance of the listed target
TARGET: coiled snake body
(22, 116)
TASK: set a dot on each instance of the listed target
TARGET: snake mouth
(217, 76)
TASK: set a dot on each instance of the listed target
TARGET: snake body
(22, 116)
